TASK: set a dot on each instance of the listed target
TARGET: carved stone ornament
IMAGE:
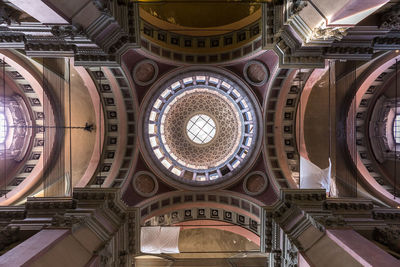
(65, 221)
(322, 32)
(8, 15)
(290, 254)
(70, 31)
(8, 235)
(255, 183)
(331, 221)
(145, 72)
(388, 236)
(391, 20)
(298, 6)
(101, 5)
(105, 253)
(255, 73)
(277, 257)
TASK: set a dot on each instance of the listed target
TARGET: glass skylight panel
(200, 78)
(201, 129)
(3, 128)
(226, 85)
(396, 129)
(187, 80)
(213, 80)
(176, 171)
(175, 85)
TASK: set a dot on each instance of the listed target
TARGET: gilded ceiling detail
(200, 14)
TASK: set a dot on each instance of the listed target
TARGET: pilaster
(306, 221)
(96, 220)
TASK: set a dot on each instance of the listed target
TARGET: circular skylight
(3, 128)
(201, 129)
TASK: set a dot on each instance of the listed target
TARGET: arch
(99, 113)
(366, 80)
(240, 212)
(36, 81)
(239, 230)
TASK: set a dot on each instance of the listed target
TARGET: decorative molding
(373, 137)
(9, 15)
(49, 204)
(266, 238)
(255, 73)
(277, 171)
(391, 20)
(348, 205)
(201, 50)
(65, 221)
(331, 221)
(207, 213)
(141, 182)
(323, 32)
(67, 31)
(149, 74)
(7, 214)
(299, 45)
(156, 206)
(258, 183)
(381, 129)
(388, 236)
(113, 84)
(303, 210)
(297, 6)
(8, 236)
(101, 5)
(386, 214)
(119, 17)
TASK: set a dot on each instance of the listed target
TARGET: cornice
(303, 210)
(299, 45)
(101, 42)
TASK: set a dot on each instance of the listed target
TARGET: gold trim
(191, 31)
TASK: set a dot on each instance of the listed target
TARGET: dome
(200, 128)
(191, 14)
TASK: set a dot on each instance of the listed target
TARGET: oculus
(201, 129)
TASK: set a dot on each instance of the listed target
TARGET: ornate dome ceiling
(183, 136)
(200, 128)
(199, 14)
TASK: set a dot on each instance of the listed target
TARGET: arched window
(3, 128)
(396, 129)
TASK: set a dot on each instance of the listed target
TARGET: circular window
(201, 129)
